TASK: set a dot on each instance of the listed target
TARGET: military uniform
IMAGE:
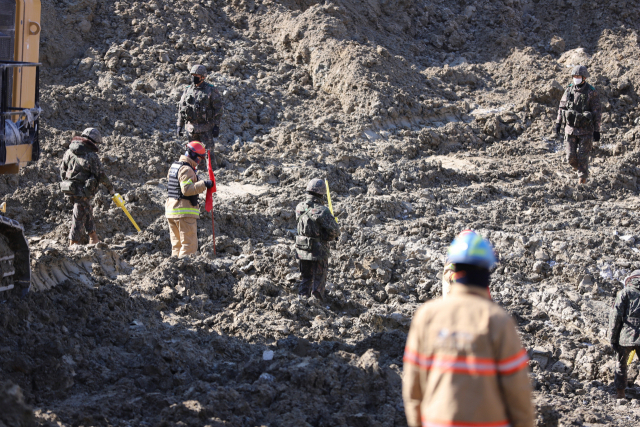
(624, 327)
(181, 208)
(316, 228)
(199, 112)
(81, 171)
(581, 112)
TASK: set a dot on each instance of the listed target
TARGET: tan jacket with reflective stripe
(190, 186)
(464, 365)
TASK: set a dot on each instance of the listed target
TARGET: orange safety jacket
(464, 365)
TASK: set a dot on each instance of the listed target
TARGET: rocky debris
(426, 118)
(15, 412)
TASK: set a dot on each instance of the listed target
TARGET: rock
(541, 255)
(538, 266)
(557, 45)
(391, 289)
(541, 355)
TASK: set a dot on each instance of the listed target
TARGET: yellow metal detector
(117, 199)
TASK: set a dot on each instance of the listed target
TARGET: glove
(596, 136)
(208, 183)
(215, 131)
(179, 131)
(556, 129)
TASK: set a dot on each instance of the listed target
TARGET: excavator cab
(19, 125)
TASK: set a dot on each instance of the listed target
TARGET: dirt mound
(426, 118)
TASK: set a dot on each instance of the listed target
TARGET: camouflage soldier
(316, 228)
(81, 172)
(624, 328)
(200, 109)
(580, 112)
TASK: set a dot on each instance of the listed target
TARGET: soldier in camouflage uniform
(316, 228)
(624, 328)
(81, 172)
(581, 113)
(200, 109)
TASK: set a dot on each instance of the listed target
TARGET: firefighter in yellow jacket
(181, 208)
(464, 364)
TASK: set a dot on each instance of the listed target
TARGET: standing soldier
(81, 172)
(464, 364)
(200, 109)
(624, 328)
(580, 112)
(316, 228)
(181, 208)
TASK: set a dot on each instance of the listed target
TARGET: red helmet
(197, 148)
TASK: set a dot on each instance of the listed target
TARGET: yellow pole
(633, 353)
(329, 199)
(117, 199)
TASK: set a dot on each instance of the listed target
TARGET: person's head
(633, 279)
(579, 74)
(317, 187)
(92, 138)
(472, 257)
(198, 72)
(195, 151)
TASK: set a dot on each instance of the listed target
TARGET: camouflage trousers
(314, 277)
(206, 138)
(620, 377)
(82, 220)
(578, 148)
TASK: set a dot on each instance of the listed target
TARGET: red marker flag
(208, 206)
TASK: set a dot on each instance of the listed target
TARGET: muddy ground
(427, 117)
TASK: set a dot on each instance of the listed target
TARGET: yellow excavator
(19, 125)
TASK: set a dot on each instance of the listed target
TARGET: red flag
(208, 206)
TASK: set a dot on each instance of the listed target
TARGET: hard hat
(580, 70)
(317, 186)
(93, 134)
(199, 70)
(470, 248)
(197, 148)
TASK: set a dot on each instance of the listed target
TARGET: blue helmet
(470, 248)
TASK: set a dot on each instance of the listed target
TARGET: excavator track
(15, 272)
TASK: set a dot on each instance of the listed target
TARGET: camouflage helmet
(316, 186)
(93, 134)
(580, 70)
(199, 70)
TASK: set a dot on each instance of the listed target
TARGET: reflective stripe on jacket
(190, 186)
(464, 365)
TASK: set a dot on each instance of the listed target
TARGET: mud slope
(427, 117)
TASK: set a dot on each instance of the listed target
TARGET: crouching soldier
(181, 208)
(624, 328)
(81, 172)
(316, 228)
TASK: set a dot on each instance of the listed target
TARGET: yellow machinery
(19, 124)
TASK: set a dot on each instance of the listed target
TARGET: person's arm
(513, 363)
(99, 173)
(180, 122)
(189, 183)
(412, 391)
(563, 106)
(216, 107)
(616, 317)
(331, 230)
(63, 166)
(596, 110)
